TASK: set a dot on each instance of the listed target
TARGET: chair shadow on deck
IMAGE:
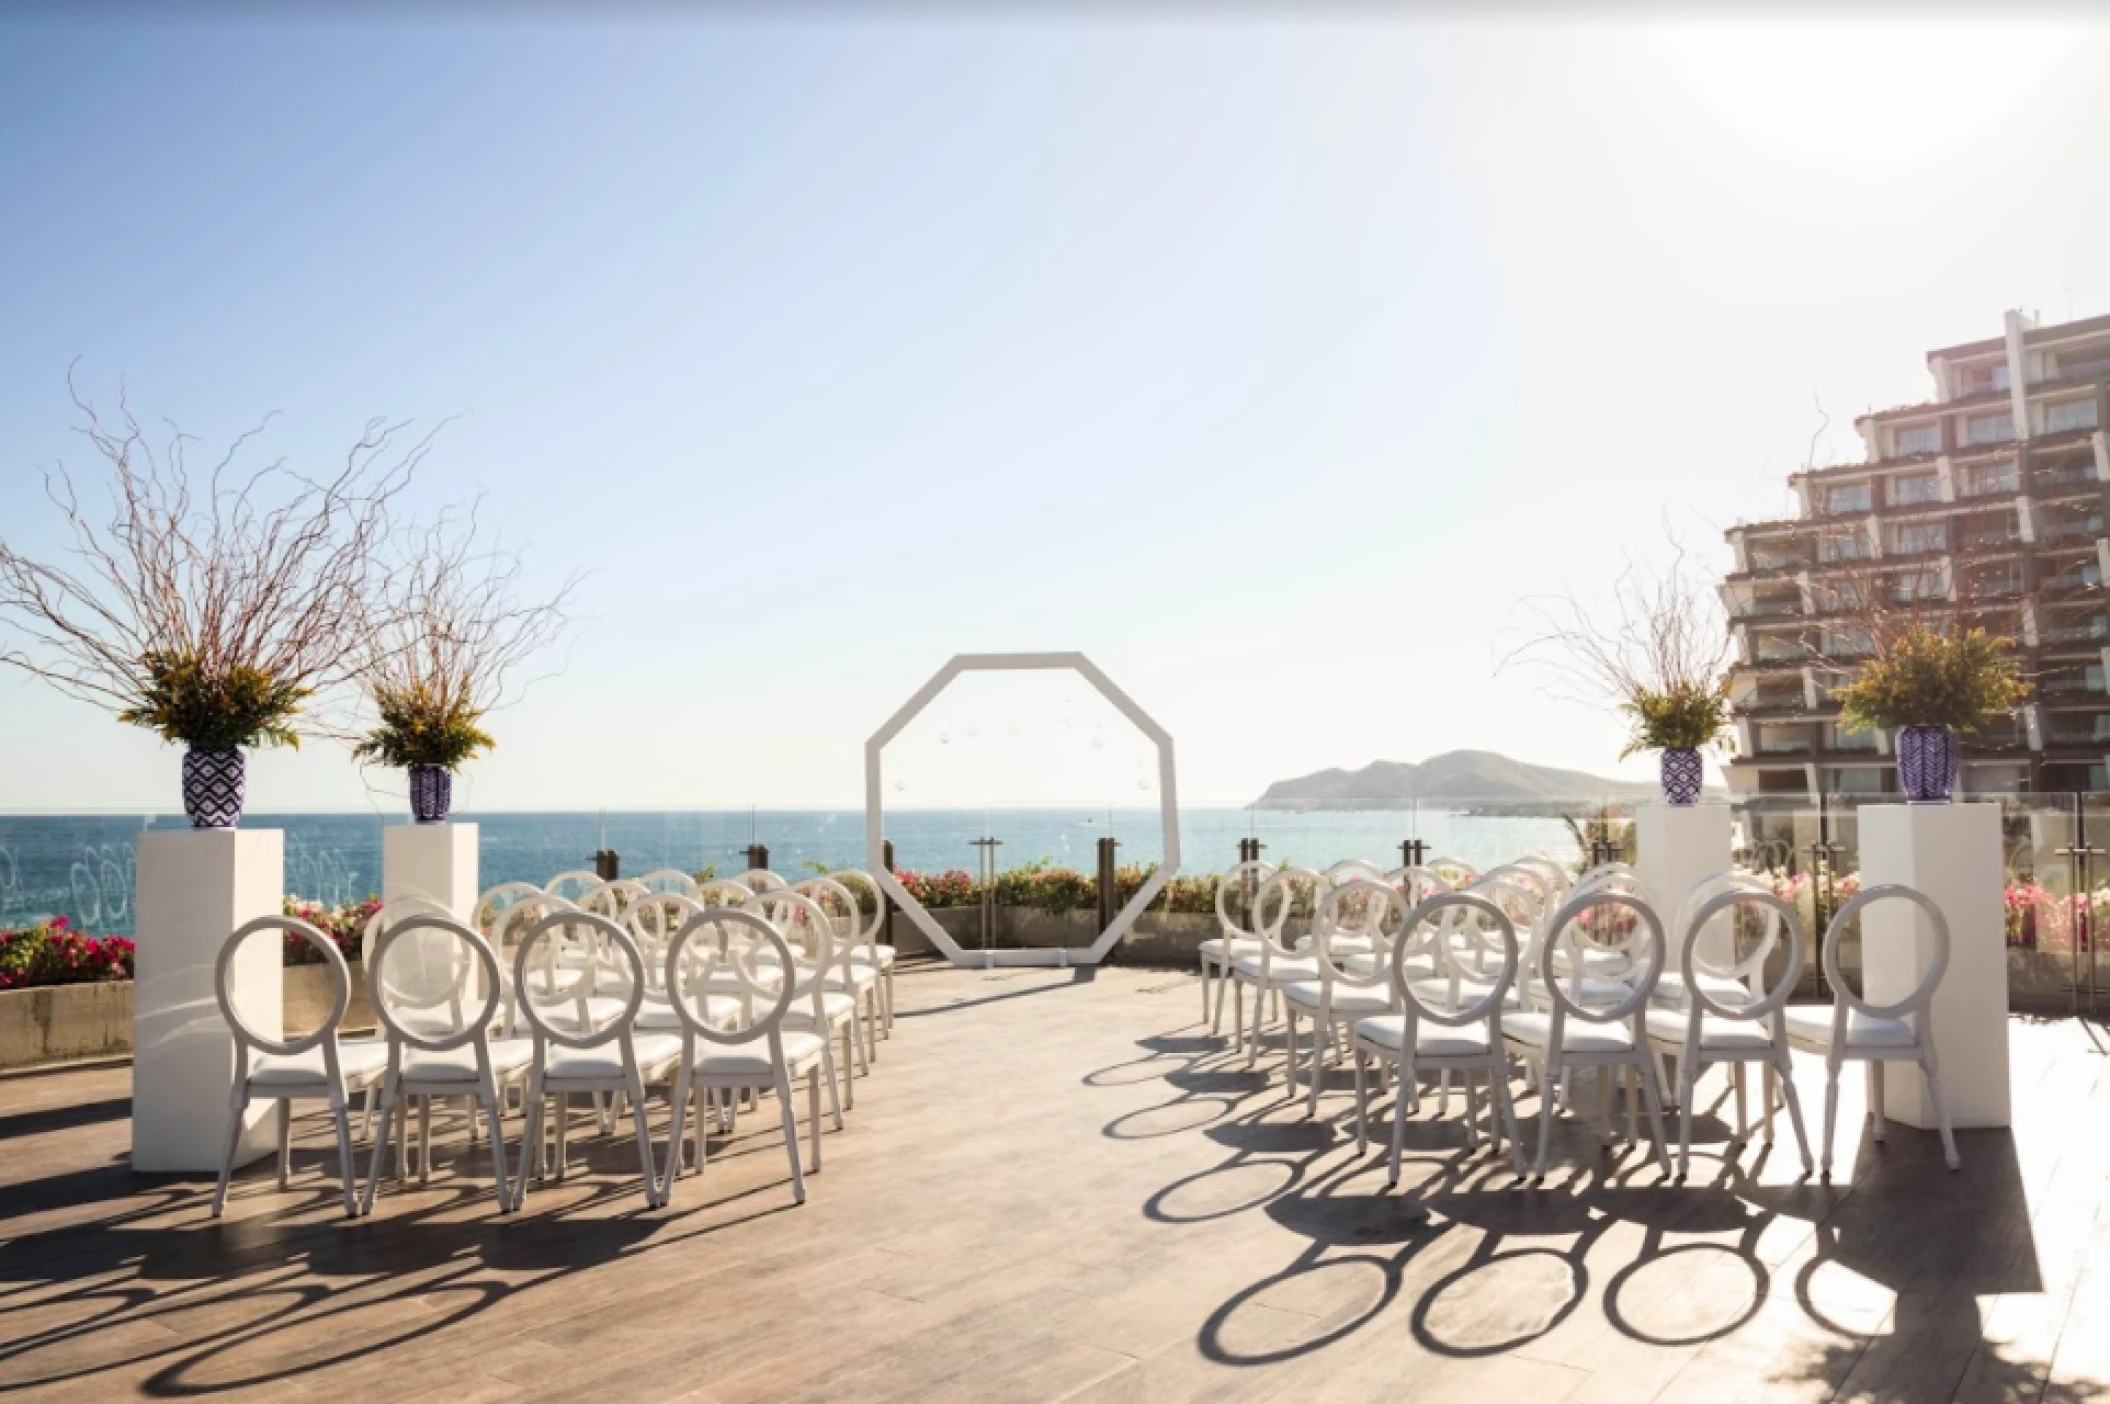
(293, 1283)
(1936, 1241)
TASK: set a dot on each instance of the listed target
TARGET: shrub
(1956, 681)
(52, 953)
(421, 726)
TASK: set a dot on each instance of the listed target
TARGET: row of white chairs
(722, 991)
(1422, 971)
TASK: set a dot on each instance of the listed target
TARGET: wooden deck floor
(1054, 1186)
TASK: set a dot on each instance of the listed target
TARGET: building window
(1842, 546)
(2069, 414)
(1914, 488)
(1981, 380)
(1853, 497)
(1914, 586)
(1910, 538)
(2090, 364)
(1857, 780)
(1915, 438)
(1838, 738)
(1984, 479)
(1989, 428)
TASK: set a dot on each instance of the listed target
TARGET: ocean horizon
(81, 866)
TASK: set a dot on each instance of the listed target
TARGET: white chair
(672, 882)
(1855, 1031)
(1271, 965)
(1234, 940)
(592, 1056)
(572, 884)
(863, 887)
(1341, 995)
(316, 1065)
(722, 956)
(831, 1013)
(428, 1059)
(1734, 1031)
(1455, 1034)
(1599, 1035)
(503, 916)
(762, 880)
(854, 970)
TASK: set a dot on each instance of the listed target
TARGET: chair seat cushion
(359, 1060)
(1282, 970)
(1430, 1040)
(1812, 1023)
(601, 1011)
(836, 1005)
(720, 1011)
(1348, 1002)
(1674, 1026)
(655, 1052)
(509, 1056)
(1595, 992)
(1439, 994)
(1670, 990)
(861, 977)
(1217, 946)
(751, 1059)
(1577, 1035)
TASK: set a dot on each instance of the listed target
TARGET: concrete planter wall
(1169, 938)
(61, 1023)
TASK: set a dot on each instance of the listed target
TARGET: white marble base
(1952, 853)
(1676, 848)
(195, 887)
(435, 862)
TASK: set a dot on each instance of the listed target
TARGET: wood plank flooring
(1056, 1185)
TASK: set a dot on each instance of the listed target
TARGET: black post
(1107, 844)
(1412, 853)
(758, 857)
(886, 902)
(607, 864)
(2081, 883)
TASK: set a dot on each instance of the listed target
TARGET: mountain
(1455, 777)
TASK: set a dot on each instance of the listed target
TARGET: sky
(1271, 362)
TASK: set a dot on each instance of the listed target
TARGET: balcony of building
(1907, 540)
(1764, 603)
(1846, 499)
(1995, 478)
(2060, 524)
(2066, 730)
(1984, 532)
(2063, 475)
(2072, 628)
(2066, 578)
(1990, 582)
(2071, 686)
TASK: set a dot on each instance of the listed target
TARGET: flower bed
(341, 924)
(53, 953)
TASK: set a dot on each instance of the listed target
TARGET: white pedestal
(434, 862)
(1676, 848)
(1952, 853)
(195, 887)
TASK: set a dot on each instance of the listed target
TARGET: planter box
(63, 1023)
(1167, 938)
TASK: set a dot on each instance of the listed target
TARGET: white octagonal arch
(875, 813)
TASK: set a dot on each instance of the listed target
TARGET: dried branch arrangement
(211, 606)
(1660, 656)
(454, 626)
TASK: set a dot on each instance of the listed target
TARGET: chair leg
(1875, 1096)
(1500, 1075)
(849, 1071)
(347, 1169)
(1548, 1080)
(1743, 1111)
(1769, 1093)
(534, 1153)
(380, 1153)
(237, 1109)
(835, 1102)
(1404, 1081)
(1627, 1078)
(494, 1107)
(1362, 1104)
(285, 1141)
(813, 1115)
(1252, 1035)
(1786, 1077)
(1655, 1113)
(1318, 1061)
(1205, 989)
(1289, 1056)
(1831, 1112)
(785, 1109)
(424, 1140)
(1688, 1075)
(647, 1171)
(1932, 1073)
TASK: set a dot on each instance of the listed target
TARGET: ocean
(80, 866)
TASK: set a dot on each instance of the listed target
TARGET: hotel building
(1986, 503)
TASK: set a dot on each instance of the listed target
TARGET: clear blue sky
(1268, 362)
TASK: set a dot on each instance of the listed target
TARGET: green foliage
(215, 709)
(1956, 681)
(1684, 716)
(418, 727)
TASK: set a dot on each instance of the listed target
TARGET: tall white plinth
(1676, 848)
(1952, 853)
(433, 862)
(195, 887)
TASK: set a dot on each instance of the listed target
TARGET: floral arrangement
(1955, 681)
(342, 924)
(53, 953)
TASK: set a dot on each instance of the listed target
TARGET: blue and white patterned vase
(1681, 775)
(1927, 762)
(431, 794)
(213, 783)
